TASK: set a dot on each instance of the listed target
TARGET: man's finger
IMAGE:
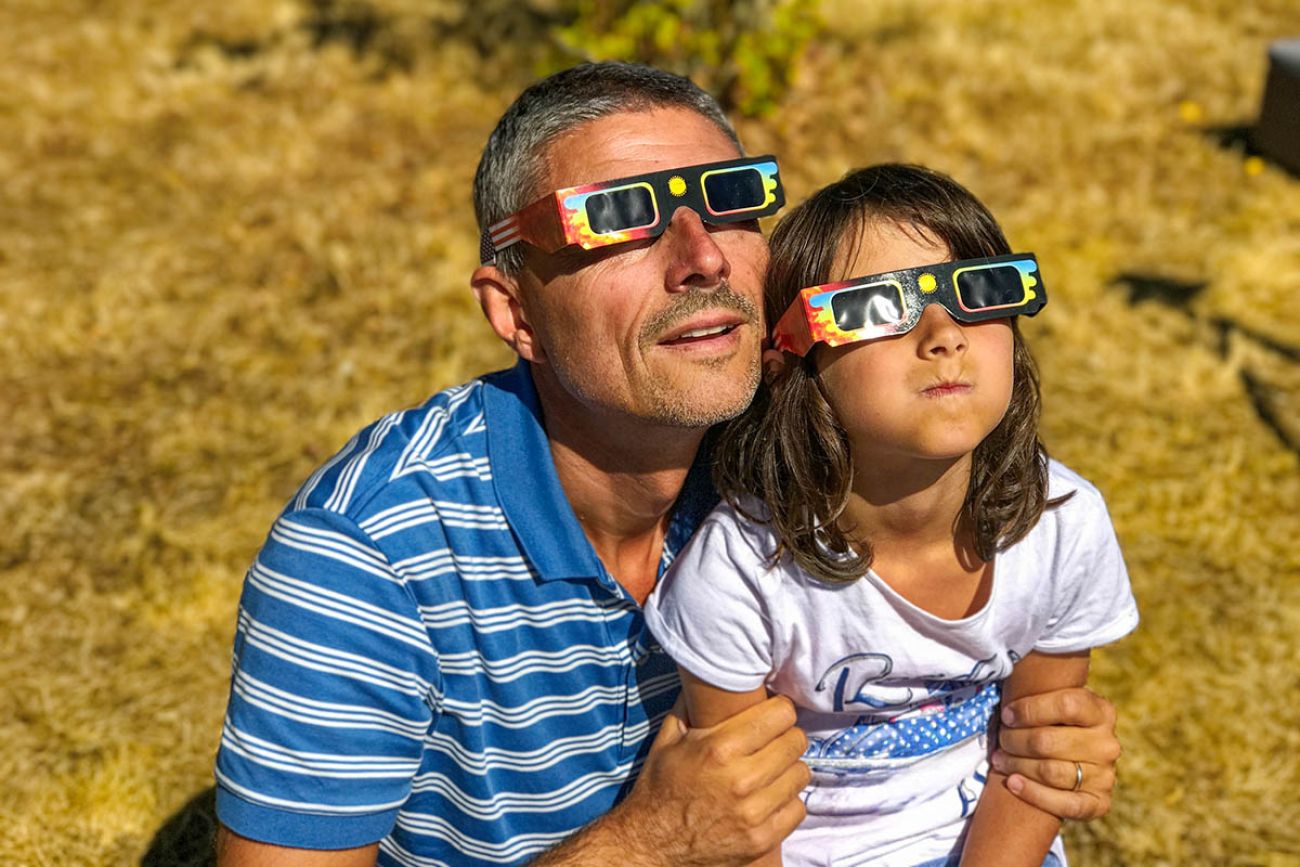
(788, 816)
(778, 808)
(785, 750)
(1080, 805)
(757, 726)
(1098, 779)
(1062, 743)
(1072, 706)
(777, 761)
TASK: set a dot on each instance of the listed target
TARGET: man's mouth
(700, 334)
(702, 320)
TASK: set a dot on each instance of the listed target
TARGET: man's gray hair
(512, 164)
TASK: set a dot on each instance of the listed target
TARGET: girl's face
(932, 393)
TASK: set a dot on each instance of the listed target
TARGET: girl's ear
(774, 363)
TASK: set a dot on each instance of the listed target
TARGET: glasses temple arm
(791, 332)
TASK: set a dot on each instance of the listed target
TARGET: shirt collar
(528, 487)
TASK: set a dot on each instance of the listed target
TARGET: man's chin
(703, 401)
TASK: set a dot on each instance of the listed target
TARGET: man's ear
(498, 296)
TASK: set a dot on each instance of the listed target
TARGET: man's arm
(236, 851)
(304, 790)
(1042, 737)
(1006, 831)
(720, 795)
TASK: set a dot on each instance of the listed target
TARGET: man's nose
(939, 333)
(695, 259)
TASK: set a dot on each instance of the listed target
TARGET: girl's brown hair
(789, 450)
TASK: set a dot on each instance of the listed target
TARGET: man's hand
(720, 795)
(1043, 736)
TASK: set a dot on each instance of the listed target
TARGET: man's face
(667, 329)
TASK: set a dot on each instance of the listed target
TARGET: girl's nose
(938, 333)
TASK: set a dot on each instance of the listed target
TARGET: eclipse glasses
(884, 305)
(640, 206)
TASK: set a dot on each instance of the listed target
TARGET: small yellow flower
(1190, 112)
(1253, 166)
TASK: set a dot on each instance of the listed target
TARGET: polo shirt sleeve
(333, 689)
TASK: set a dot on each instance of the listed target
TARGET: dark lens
(990, 287)
(620, 210)
(739, 190)
(880, 304)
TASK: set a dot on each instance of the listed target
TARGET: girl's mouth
(948, 389)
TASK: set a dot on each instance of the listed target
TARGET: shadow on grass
(188, 838)
(1165, 290)
(1243, 138)
(1179, 295)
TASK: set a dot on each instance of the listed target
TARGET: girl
(895, 552)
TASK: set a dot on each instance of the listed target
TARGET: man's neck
(622, 476)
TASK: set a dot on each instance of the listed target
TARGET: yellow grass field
(230, 236)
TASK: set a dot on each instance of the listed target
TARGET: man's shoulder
(439, 442)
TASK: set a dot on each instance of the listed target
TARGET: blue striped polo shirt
(430, 654)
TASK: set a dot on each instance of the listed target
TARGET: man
(441, 657)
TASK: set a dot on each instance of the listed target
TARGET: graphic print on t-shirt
(906, 718)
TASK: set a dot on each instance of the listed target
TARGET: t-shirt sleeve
(331, 694)
(708, 611)
(1093, 601)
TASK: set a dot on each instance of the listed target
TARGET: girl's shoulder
(742, 534)
(733, 550)
(1081, 496)
(1076, 520)
(747, 521)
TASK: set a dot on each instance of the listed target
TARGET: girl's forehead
(888, 245)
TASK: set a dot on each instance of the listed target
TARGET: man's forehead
(632, 143)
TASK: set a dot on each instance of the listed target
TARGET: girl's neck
(911, 508)
(922, 545)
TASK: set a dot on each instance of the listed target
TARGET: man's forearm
(608, 840)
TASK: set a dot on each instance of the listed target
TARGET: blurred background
(232, 234)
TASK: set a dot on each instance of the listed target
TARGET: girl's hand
(1042, 737)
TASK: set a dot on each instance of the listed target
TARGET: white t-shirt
(895, 701)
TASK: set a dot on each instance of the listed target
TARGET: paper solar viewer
(628, 209)
(1278, 133)
(885, 305)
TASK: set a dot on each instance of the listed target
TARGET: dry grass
(223, 248)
